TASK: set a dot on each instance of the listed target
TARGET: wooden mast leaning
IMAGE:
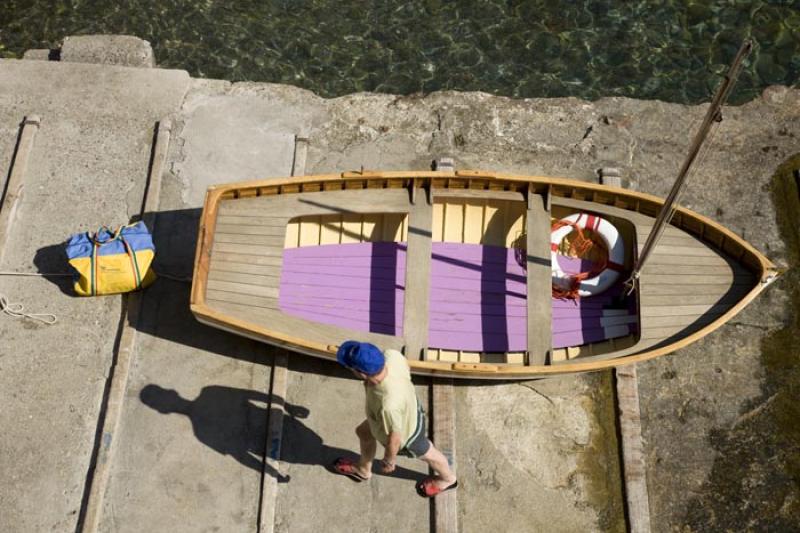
(713, 116)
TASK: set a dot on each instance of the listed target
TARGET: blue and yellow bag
(111, 262)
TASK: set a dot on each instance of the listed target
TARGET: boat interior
(458, 273)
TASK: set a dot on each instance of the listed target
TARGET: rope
(17, 310)
(578, 247)
(54, 275)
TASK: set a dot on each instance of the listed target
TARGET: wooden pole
(713, 116)
(633, 464)
(277, 400)
(10, 200)
(445, 505)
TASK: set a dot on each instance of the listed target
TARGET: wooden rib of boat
(454, 269)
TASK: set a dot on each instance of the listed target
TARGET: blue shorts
(418, 443)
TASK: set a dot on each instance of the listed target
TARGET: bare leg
(438, 463)
(368, 448)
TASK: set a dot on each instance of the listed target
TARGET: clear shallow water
(671, 50)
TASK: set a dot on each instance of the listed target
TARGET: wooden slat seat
(537, 229)
(418, 259)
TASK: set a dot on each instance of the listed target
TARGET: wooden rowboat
(454, 269)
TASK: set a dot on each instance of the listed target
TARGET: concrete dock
(190, 447)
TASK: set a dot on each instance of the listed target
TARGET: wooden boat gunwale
(420, 183)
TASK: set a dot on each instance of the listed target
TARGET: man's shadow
(233, 422)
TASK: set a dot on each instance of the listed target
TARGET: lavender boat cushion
(477, 296)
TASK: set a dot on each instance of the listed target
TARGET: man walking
(394, 418)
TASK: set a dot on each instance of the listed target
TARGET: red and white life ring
(614, 244)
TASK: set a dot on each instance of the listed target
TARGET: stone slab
(191, 444)
(325, 406)
(193, 427)
(239, 132)
(39, 54)
(120, 50)
(538, 456)
(87, 168)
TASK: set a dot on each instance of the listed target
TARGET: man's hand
(387, 466)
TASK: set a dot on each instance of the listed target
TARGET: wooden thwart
(418, 274)
(539, 283)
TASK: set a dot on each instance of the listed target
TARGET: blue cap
(361, 356)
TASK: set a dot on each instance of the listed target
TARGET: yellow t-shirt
(392, 403)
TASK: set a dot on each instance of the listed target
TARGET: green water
(671, 50)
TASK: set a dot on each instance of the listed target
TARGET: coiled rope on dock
(17, 310)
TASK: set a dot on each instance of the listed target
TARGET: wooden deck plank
(683, 310)
(330, 229)
(668, 249)
(280, 322)
(478, 194)
(319, 203)
(292, 234)
(655, 322)
(417, 290)
(272, 260)
(515, 218)
(722, 270)
(538, 279)
(243, 288)
(309, 231)
(265, 220)
(730, 298)
(250, 229)
(696, 279)
(257, 280)
(669, 259)
(246, 249)
(351, 228)
(245, 268)
(372, 227)
(662, 333)
(473, 221)
(249, 299)
(275, 241)
(453, 222)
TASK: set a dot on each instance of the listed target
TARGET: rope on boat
(578, 247)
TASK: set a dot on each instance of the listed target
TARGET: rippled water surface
(670, 49)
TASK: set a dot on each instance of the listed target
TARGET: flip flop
(427, 488)
(346, 467)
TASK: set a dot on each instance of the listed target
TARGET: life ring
(614, 244)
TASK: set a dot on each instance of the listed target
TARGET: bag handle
(93, 269)
(96, 244)
(137, 276)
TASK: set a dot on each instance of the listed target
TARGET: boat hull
(702, 274)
